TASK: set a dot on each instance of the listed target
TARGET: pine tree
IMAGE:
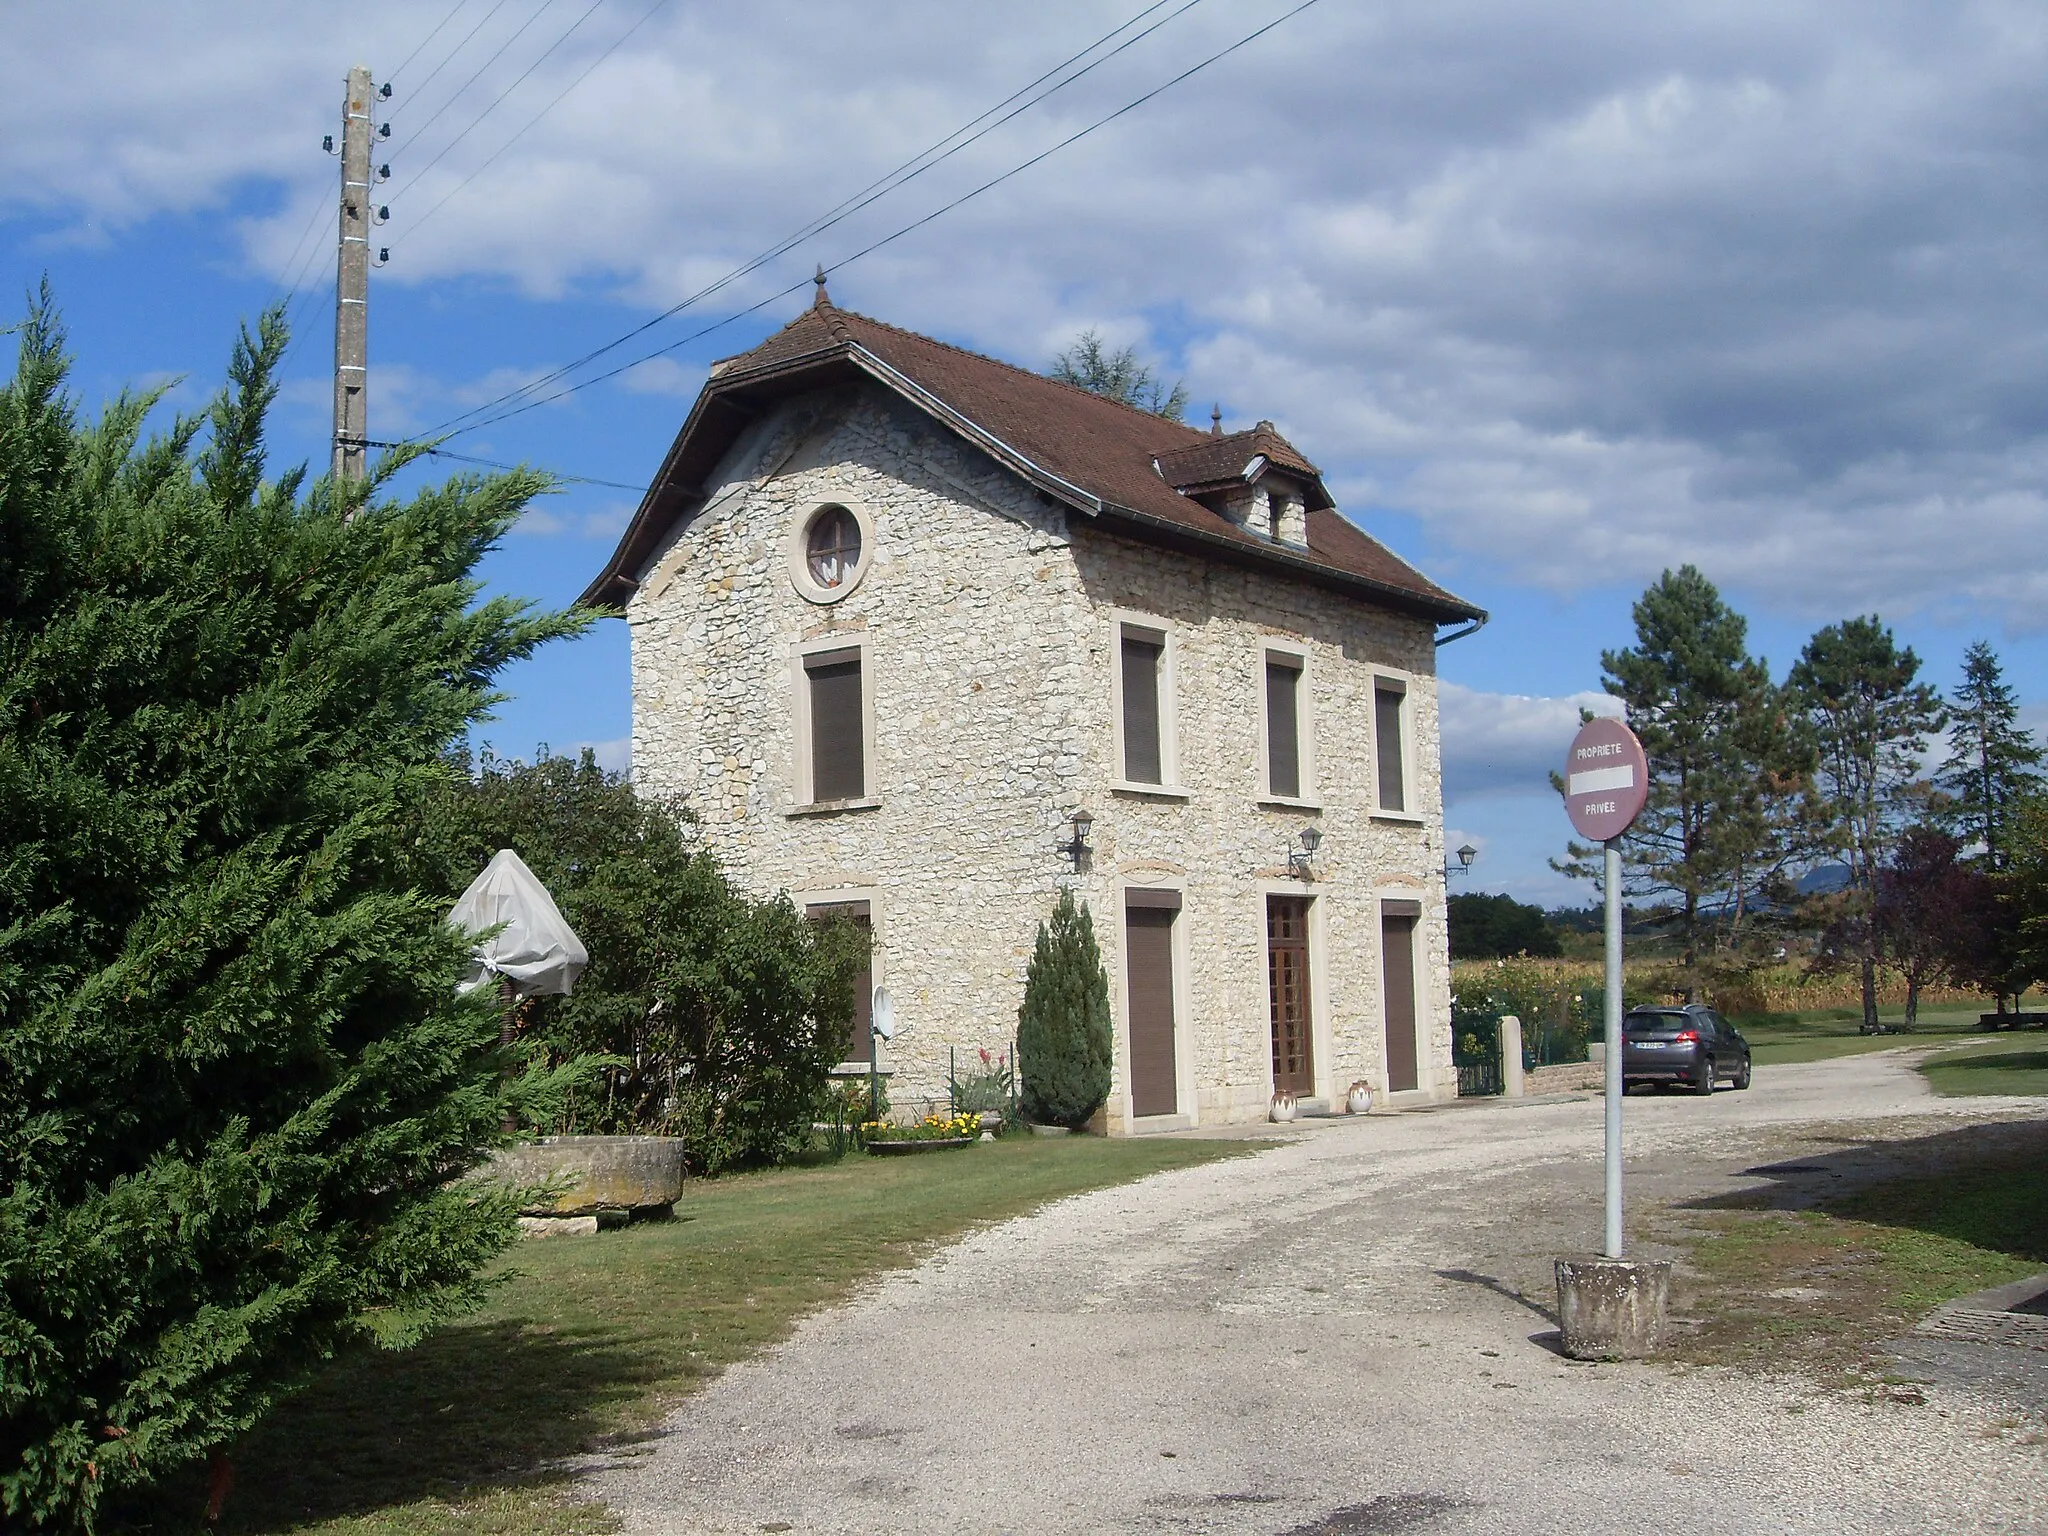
(1119, 375)
(1993, 762)
(1726, 778)
(237, 1089)
(1063, 1028)
(1868, 715)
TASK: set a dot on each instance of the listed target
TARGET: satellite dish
(883, 1014)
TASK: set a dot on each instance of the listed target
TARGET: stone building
(905, 619)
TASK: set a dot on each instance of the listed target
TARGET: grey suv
(1692, 1045)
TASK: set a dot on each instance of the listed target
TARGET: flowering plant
(930, 1128)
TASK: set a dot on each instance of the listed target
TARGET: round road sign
(1606, 779)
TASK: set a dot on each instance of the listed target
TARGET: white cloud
(1590, 289)
(1507, 742)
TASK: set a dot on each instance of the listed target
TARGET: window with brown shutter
(1387, 700)
(838, 734)
(1142, 675)
(1283, 726)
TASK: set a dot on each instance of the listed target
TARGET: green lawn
(1818, 1288)
(591, 1338)
(1776, 1039)
(2001, 1065)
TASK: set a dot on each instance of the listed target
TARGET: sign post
(1610, 1307)
(1606, 782)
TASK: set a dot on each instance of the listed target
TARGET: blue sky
(1556, 298)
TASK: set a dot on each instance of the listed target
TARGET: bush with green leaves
(1063, 1029)
(719, 1017)
(237, 1087)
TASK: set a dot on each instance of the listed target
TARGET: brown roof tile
(1094, 451)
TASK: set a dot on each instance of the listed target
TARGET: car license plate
(1649, 1045)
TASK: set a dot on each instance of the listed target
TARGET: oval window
(832, 547)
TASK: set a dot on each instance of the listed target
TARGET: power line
(449, 56)
(459, 4)
(870, 249)
(531, 122)
(517, 33)
(470, 458)
(873, 192)
(477, 121)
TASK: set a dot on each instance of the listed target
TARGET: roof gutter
(1458, 634)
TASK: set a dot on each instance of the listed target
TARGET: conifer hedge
(1063, 1028)
(237, 1087)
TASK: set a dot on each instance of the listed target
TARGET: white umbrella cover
(536, 949)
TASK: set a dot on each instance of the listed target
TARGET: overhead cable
(889, 239)
(943, 149)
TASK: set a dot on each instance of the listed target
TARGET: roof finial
(824, 299)
(1216, 420)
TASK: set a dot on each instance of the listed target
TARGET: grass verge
(2001, 1067)
(590, 1339)
(1818, 1288)
(1777, 1039)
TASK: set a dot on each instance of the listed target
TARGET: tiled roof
(1095, 452)
(1215, 458)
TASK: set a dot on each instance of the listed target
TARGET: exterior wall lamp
(1077, 847)
(1466, 855)
(1298, 859)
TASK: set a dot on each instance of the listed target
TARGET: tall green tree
(1120, 375)
(1870, 716)
(1064, 1034)
(1993, 761)
(1723, 766)
(237, 1087)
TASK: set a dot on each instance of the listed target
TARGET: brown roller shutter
(1142, 761)
(838, 737)
(860, 1037)
(1148, 969)
(1283, 728)
(1386, 708)
(1397, 964)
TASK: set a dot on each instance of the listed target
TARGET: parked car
(1692, 1045)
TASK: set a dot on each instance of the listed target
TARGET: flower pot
(1359, 1100)
(1284, 1108)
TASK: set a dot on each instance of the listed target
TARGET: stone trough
(593, 1180)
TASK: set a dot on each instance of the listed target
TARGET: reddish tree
(1934, 914)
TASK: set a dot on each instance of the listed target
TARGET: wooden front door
(1287, 973)
(1148, 969)
(1397, 964)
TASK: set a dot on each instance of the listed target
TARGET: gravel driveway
(1328, 1338)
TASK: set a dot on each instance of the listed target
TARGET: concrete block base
(1612, 1309)
(558, 1226)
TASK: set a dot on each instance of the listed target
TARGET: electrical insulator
(328, 143)
(383, 173)
(384, 91)
(383, 130)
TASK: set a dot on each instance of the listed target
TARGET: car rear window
(1654, 1023)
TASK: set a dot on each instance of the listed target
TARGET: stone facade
(987, 618)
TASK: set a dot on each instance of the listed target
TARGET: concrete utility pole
(352, 283)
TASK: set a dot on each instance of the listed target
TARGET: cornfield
(1549, 989)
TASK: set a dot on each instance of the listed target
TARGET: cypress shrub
(1063, 1028)
(238, 1091)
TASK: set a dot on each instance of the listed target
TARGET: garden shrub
(718, 1017)
(237, 1087)
(1063, 1028)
